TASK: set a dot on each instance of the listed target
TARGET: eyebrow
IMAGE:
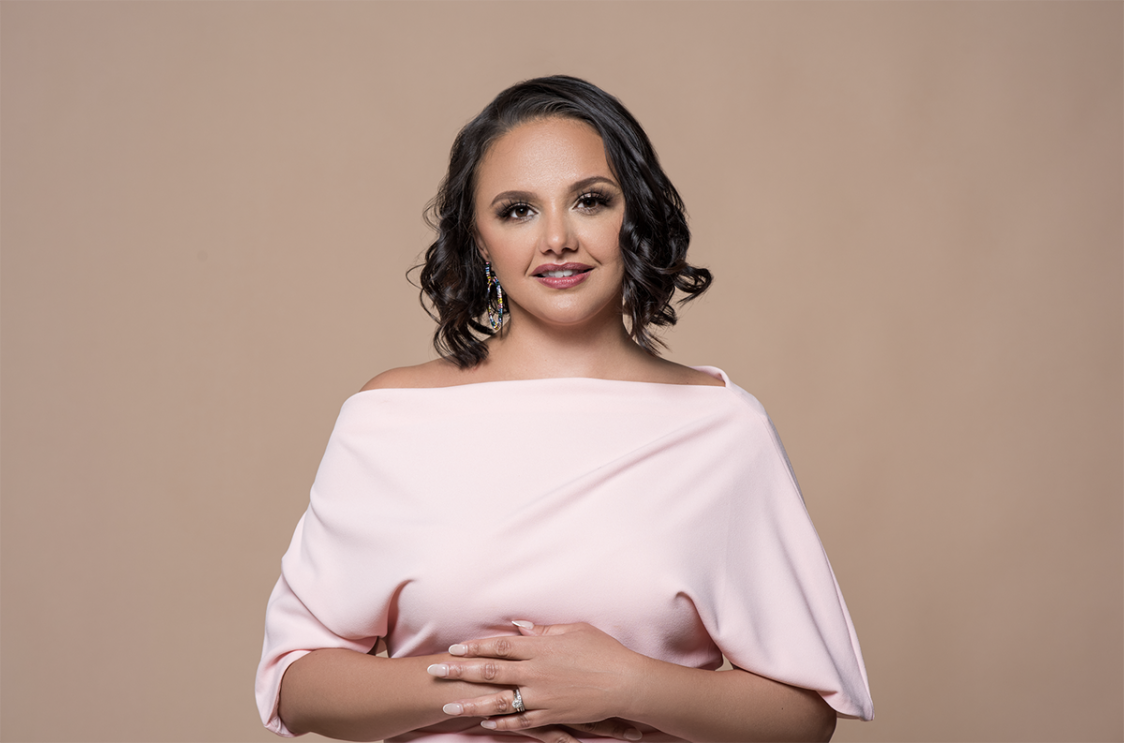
(579, 186)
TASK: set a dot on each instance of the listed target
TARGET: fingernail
(633, 734)
(438, 669)
(452, 708)
(457, 650)
(523, 623)
(490, 724)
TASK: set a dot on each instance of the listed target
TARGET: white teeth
(558, 274)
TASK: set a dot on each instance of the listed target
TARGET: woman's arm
(731, 705)
(355, 696)
(574, 673)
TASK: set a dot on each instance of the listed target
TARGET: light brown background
(913, 211)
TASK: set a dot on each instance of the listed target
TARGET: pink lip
(562, 282)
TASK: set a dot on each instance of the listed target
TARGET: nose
(558, 235)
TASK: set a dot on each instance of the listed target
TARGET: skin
(546, 195)
(579, 332)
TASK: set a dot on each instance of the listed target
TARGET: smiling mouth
(564, 271)
(560, 274)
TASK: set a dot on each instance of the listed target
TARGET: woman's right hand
(567, 674)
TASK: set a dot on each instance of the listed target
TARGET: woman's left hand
(566, 674)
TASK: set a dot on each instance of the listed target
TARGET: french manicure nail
(523, 623)
(490, 724)
(452, 708)
(457, 649)
(438, 669)
(633, 734)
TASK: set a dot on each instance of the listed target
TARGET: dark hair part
(653, 238)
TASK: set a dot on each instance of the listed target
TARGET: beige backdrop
(913, 211)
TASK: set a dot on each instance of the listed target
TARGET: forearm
(353, 696)
(736, 705)
(575, 673)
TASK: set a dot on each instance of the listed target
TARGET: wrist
(638, 684)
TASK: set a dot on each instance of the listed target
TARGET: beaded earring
(495, 308)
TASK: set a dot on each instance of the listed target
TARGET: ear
(480, 247)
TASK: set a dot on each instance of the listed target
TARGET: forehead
(542, 154)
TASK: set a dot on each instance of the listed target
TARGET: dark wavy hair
(653, 238)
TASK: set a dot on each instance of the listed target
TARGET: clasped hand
(567, 674)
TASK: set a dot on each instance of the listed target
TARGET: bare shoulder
(436, 373)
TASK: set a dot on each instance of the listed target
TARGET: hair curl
(653, 239)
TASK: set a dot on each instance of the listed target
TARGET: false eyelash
(504, 210)
(599, 197)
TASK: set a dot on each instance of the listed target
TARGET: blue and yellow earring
(495, 308)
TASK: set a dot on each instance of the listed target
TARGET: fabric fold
(665, 515)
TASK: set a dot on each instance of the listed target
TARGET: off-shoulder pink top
(665, 515)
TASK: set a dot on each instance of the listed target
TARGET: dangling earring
(495, 309)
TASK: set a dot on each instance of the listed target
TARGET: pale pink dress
(665, 515)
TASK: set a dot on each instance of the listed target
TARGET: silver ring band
(517, 704)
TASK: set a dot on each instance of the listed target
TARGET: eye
(591, 201)
(516, 211)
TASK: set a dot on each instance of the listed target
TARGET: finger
(516, 721)
(479, 672)
(486, 706)
(550, 734)
(609, 729)
(555, 629)
(511, 648)
(527, 628)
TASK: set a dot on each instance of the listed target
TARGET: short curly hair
(653, 239)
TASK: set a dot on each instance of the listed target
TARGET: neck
(528, 348)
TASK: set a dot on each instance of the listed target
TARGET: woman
(552, 531)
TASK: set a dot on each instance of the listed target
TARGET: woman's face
(548, 217)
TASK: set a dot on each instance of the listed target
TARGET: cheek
(489, 242)
(502, 248)
(603, 241)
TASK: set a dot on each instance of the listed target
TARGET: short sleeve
(292, 631)
(779, 611)
(327, 596)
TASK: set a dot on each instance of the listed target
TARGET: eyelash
(505, 210)
(598, 198)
